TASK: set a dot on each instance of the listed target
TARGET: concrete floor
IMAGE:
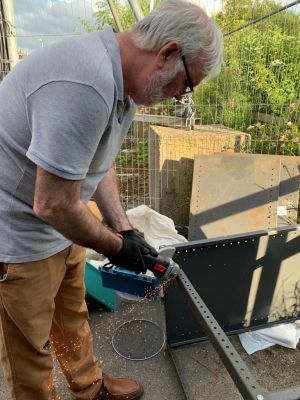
(203, 373)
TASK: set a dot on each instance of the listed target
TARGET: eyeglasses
(189, 88)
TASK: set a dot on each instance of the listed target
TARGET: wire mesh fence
(252, 107)
(4, 31)
(257, 94)
(258, 89)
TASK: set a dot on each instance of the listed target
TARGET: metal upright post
(8, 11)
(136, 9)
(115, 15)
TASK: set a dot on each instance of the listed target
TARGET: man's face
(155, 88)
(164, 84)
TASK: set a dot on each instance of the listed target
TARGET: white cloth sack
(287, 335)
(158, 229)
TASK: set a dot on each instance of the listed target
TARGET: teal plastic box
(95, 288)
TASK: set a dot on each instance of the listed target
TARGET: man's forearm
(78, 224)
(57, 201)
(108, 201)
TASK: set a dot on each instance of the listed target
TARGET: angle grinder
(163, 266)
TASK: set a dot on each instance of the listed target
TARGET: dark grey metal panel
(234, 364)
(232, 194)
(247, 281)
(236, 367)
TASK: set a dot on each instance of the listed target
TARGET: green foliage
(137, 156)
(270, 139)
(125, 14)
(104, 15)
(261, 76)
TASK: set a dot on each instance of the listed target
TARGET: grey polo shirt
(63, 109)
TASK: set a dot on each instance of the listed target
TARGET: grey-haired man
(64, 112)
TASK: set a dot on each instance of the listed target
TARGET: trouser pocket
(3, 271)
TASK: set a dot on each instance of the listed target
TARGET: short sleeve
(67, 121)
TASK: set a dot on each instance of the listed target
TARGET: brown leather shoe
(119, 389)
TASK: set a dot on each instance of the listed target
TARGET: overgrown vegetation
(260, 78)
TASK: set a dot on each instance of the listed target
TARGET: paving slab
(205, 377)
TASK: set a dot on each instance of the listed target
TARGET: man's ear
(168, 52)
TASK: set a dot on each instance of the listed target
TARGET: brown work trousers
(41, 302)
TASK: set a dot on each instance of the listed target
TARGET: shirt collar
(113, 49)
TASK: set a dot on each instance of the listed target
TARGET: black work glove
(138, 237)
(132, 256)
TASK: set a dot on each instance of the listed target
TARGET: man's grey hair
(187, 24)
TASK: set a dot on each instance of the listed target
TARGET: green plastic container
(95, 288)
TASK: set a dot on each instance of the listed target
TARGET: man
(64, 112)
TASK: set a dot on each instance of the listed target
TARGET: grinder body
(163, 266)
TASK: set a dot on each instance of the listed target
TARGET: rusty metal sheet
(289, 182)
(232, 194)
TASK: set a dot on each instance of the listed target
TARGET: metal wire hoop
(145, 358)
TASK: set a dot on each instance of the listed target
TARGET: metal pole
(236, 367)
(136, 9)
(4, 63)
(151, 5)
(8, 11)
(256, 20)
(115, 15)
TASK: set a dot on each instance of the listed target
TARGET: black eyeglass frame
(190, 87)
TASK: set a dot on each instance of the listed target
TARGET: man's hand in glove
(138, 237)
(132, 256)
